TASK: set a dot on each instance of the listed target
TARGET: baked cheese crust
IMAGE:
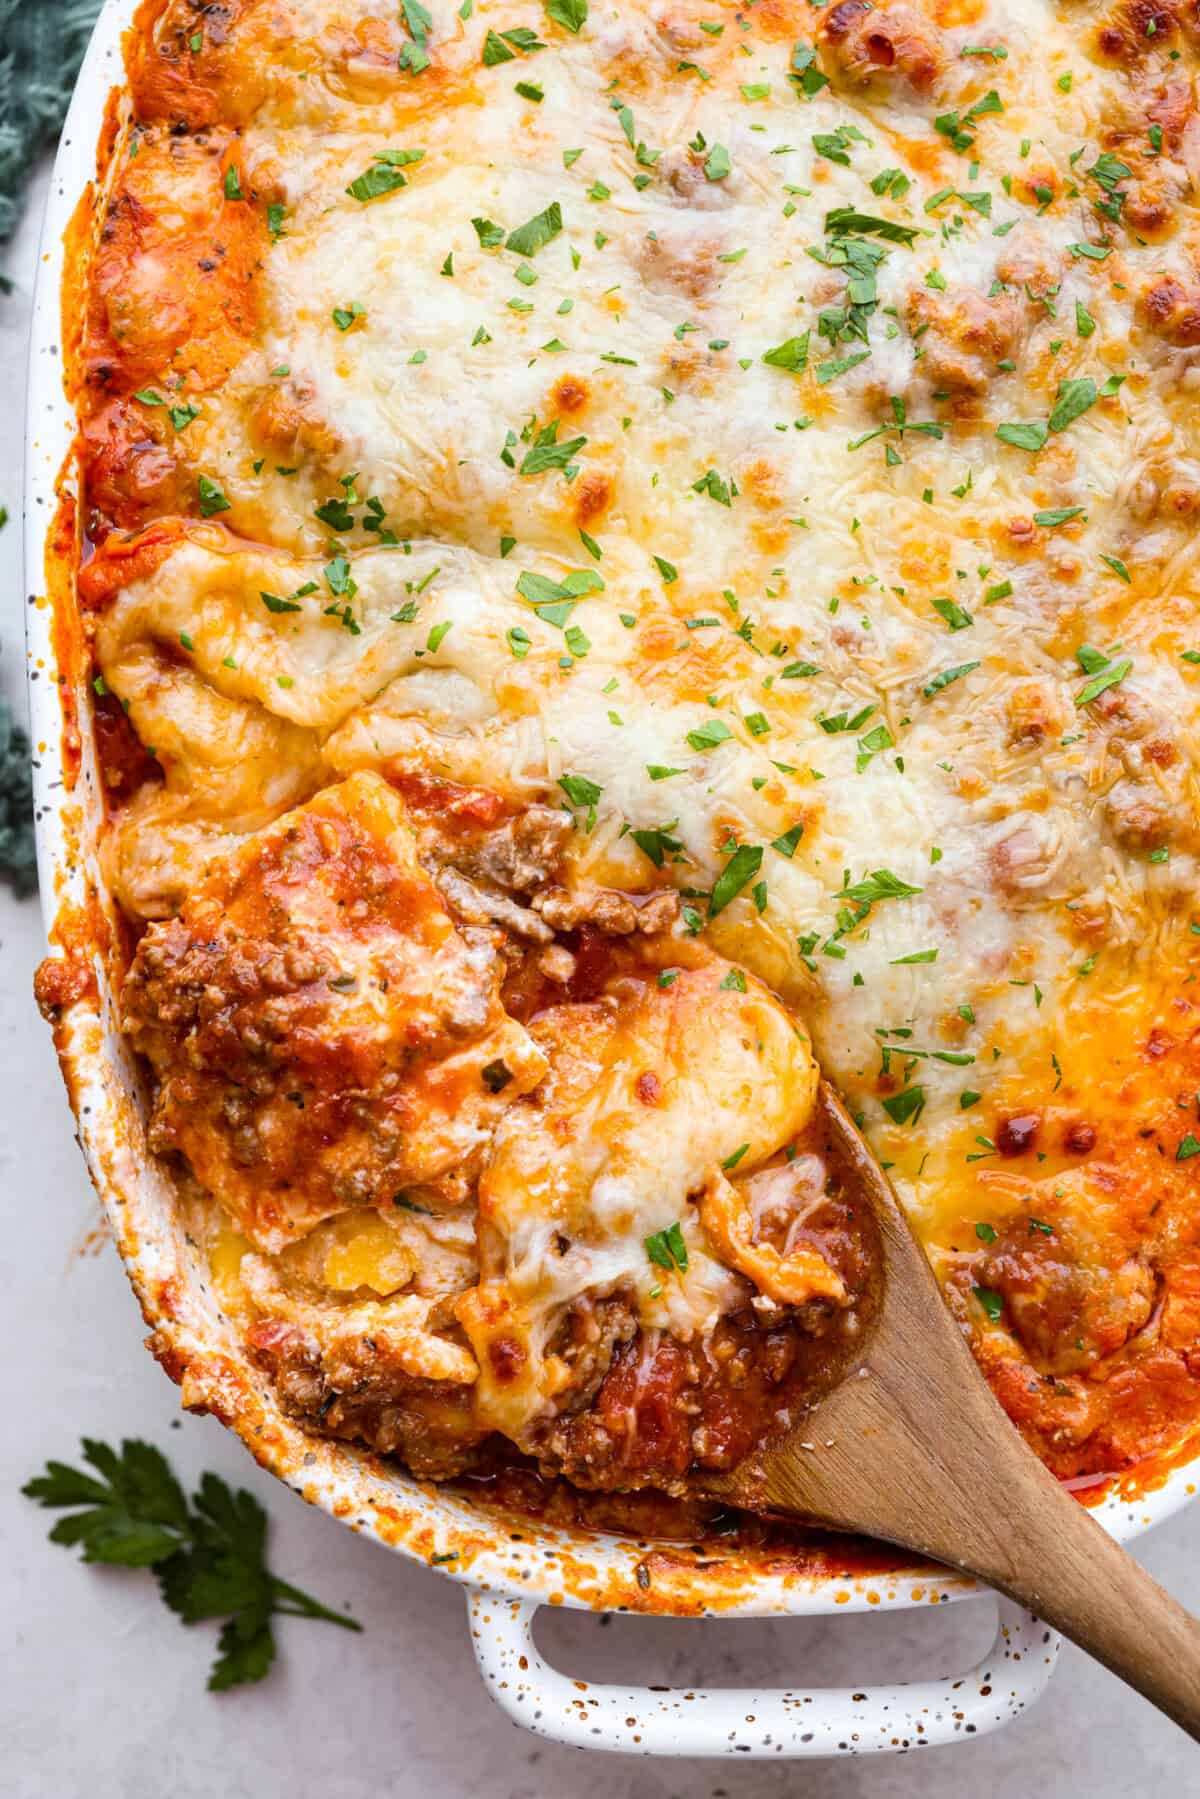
(698, 489)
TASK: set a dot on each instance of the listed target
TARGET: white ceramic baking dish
(510, 1566)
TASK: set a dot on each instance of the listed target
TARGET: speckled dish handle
(752, 1722)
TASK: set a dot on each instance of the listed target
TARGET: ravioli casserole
(626, 552)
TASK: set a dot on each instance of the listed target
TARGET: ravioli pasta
(632, 550)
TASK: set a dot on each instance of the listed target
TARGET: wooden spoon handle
(913, 1447)
(1068, 1570)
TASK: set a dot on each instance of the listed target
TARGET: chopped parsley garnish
(667, 1249)
(495, 51)
(1105, 673)
(955, 615)
(992, 1302)
(844, 219)
(788, 843)
(538, 231)
(385, 176)
(840, 365)
(906, 1106)
(548, 453)
(658, 842)
(947, 676)
(741, 868)
(554, 601)
(1074, 399)
(717, 164)
(708, 735)
(881, 884)
(791, 354)
(580, 791)
(571, 14)
(415, 56)
(805, 76)
(180, 416)
(1030, 436)
(836, 145)
(212, 499)
(710, 483)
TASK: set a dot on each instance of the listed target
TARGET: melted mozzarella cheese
(648, 1098)
(845, 602)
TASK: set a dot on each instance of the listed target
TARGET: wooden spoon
(910, 1446)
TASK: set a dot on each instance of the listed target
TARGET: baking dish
(510, 1566)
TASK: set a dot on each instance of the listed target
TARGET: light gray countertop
(103, 1693)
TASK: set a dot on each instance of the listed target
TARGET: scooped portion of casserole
(323, 1035)
(443, 1223)
(625, 550)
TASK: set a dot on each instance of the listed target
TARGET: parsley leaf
(716, 489)
(844, 218)
(210, 1554)
(536, 232)
(495, 51)
(572, 14)
(1074, 399)
(792, 354)
(992, 1302)
(415, 57)
(1110, 676)
(212, 499)
(956, 616)
(548, 453)
(384, 176)
(906, 1106)
(667, 1249)
(947, 676)
(708, 735)
(580, 791)
(1024, 437)
(741, 868)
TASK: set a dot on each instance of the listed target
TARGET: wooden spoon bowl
(908, 1444)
